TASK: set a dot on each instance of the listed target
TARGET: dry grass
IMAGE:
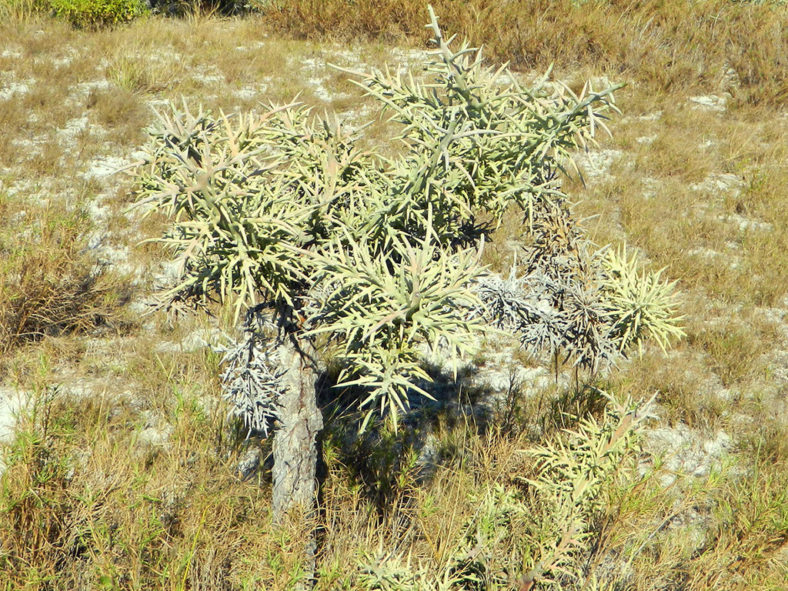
(91, 499)
(49, 285)
(125, 515)
(672, 45)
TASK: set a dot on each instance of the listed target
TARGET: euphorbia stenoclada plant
(282, 215)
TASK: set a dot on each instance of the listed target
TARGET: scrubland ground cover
(121, 468)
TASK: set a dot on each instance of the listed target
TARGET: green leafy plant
(281, 214)
(94, 14)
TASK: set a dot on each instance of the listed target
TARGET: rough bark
(294, 444)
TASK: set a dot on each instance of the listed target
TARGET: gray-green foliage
(381, 254)
(379, 310)
(246, 194)
(540, 532)
(478, 141)
(589, 305)
(639, 304)
(250, 378)
(545, 536)
(387, 571)
(574, 474)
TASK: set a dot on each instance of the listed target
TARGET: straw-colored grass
(123, 473)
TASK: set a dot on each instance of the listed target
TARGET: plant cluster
(93, 503)
(540, 533)
(574, 474)
(589, 307)
(94, 14)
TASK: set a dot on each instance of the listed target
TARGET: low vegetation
(125, 470)
(672, 45)
(49, 284)
(91, 14)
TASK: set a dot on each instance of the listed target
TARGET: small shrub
(540, 535)
(94, 14)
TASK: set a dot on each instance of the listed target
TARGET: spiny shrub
(379, 256)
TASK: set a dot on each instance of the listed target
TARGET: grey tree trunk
(294, 444)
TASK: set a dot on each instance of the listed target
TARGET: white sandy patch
(745, 223)
(252, 91)
(727, 258)
(410, 57)
(84, 88)
(67, 135)
(194, 341)
(655, 116)
(597, 163)
(156, 431)
(105, 166)
(356, 117)
(14, 88)
(651, 187)
(720, 183)
(12, 404)
(65, 61)
(109, 254)
(208, 76)
(686, 452)
(709, 102)
(11, 53)
(252, 47)
(79, 92)
(345, 57)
